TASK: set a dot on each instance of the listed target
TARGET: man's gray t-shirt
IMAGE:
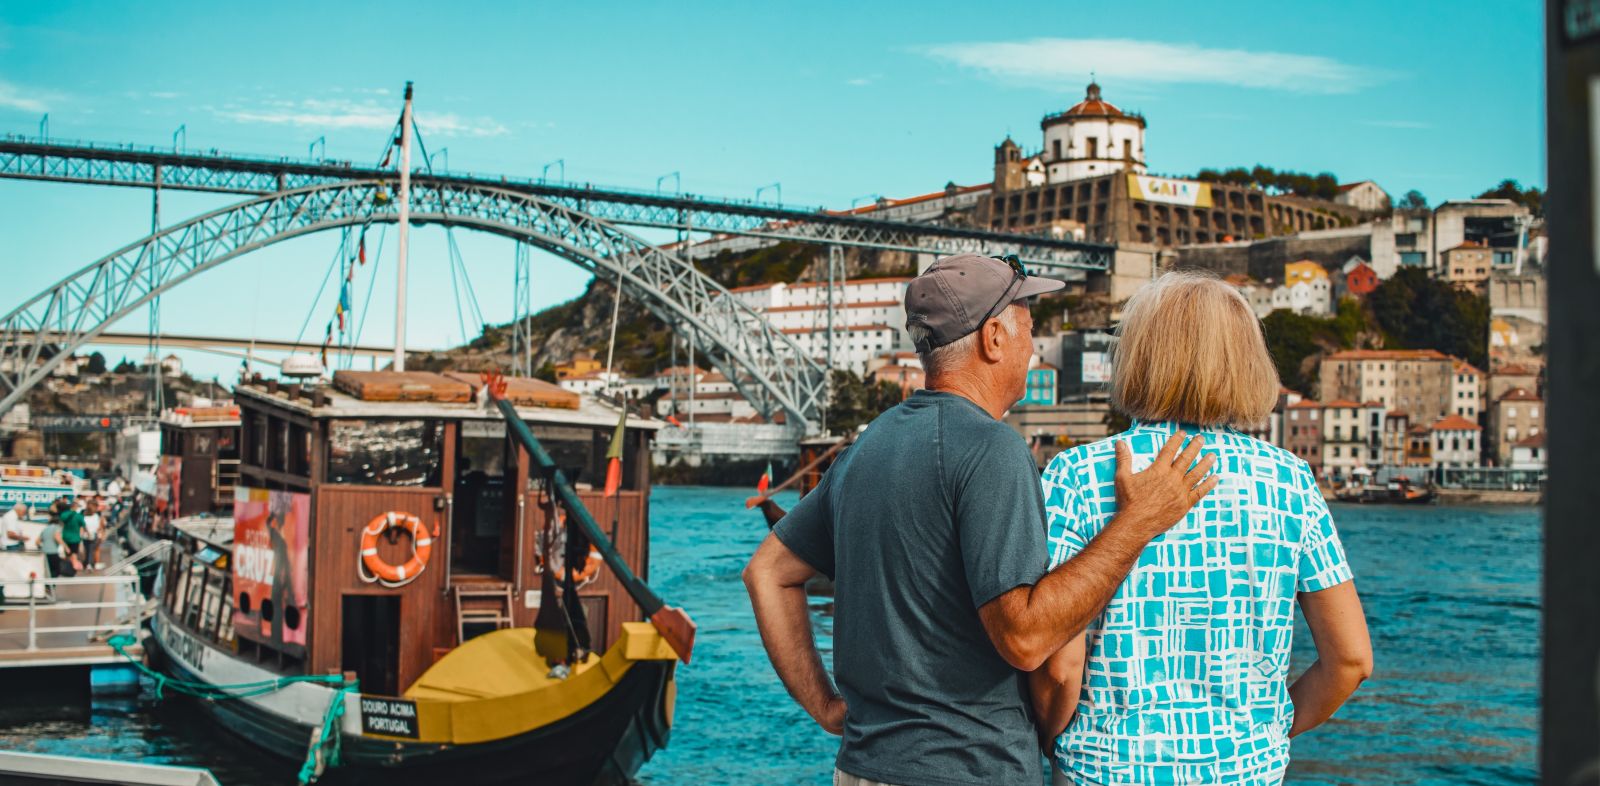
(935, 511)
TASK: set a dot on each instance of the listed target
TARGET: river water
(1452, 596)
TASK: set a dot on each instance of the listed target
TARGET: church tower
(1008, 174)
(1091, 139)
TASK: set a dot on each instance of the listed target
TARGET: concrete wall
(1264, 259)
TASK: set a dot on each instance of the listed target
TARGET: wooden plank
(525, 391)
(402, 386)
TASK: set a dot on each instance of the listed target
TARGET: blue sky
(836, 101)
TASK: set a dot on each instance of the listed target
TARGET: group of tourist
(1130, 616)
(71, 538)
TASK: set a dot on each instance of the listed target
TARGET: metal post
(775, 186)
(157, 400)
(522, 305)
(33, 643)
(403, 236)
(560, 164)
(44, 128)
(183, 131)
(443, 151)
(677, 182)
(312, 150)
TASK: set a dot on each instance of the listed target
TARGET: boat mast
(404, 234)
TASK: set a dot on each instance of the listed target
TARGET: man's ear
(991, 341)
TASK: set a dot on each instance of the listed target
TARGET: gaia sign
(1168, 190)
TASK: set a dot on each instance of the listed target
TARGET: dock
(48, 622)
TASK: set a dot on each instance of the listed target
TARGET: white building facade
(869, 317)
(1091, 139)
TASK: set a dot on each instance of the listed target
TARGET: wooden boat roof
(421, 394)
(215, 530)
(219, 416)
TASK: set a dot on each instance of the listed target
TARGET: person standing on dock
(932, 526)
(71, 534)
(12, 538)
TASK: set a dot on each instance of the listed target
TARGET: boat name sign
(388, 717)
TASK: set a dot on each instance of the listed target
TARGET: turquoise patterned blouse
(1186, 678)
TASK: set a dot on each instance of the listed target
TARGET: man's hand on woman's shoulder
(1159, 497)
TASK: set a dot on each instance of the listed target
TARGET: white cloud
(1397, 123)
(1050, 60)
(340, 114)
(13, 97)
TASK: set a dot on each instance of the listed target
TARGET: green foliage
(1413, 200)
(96, 364)
(856, 403)
(1531, 198)
(782, 262)
(126, 367)
(546, 372)
(1291, 338)
(1324, 185)
(1415, 311)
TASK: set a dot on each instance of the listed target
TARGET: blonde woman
(1183, 678)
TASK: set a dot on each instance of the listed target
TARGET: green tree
(126, 366)
(1413, 200)
(96, 364)
(1415, 311)
(1532, 198)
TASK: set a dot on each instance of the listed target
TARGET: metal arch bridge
(125, 165)
(577, 222)
(770, 368)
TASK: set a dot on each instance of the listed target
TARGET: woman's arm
(1055, 687)
(1344, 655)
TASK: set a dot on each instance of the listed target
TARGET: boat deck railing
(66, 620)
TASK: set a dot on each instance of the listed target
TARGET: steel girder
(141, 167)
(767, 365)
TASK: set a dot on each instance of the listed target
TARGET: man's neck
(974, 390)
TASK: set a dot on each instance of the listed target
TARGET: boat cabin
(324, 468)
(199, 462)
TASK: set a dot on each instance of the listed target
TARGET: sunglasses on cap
(1018, 274)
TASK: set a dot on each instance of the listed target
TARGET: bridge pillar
(1132, 266)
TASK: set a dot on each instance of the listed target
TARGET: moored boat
(194, 476)
(392, 574)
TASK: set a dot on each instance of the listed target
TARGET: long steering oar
(800, 473)
(672, 622)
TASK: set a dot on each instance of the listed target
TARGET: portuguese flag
(614, 454)
(765, 481)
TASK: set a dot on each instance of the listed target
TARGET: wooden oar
(800, 473)
(673, 623)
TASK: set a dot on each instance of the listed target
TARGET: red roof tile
(1519, 394)
(1454, 423)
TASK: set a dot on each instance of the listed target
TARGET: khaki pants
(842, 778)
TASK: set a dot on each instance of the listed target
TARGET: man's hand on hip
(1159, 497)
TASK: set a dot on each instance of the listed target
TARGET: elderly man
(933, 528)
(12, 537)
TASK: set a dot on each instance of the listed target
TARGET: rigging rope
(324, 752)
(383, 233)
(337, 255)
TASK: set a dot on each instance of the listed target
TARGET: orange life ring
(374, 568)
(591, 569)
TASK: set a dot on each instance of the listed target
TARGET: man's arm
(1029, 623)
(1344, 655)
(1055, 687)
(776, 580)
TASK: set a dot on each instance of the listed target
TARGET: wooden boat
(1395, 492)
(195, 474)
(391, 556)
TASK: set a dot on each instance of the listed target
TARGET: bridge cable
(337, 255)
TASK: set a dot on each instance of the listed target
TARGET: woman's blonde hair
(1190, 349)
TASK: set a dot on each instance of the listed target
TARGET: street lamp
(775, 186)
(311, 150)
(561, 164)
(182, 132)
(677, 182)
(443, 151)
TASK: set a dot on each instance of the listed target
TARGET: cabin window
(385, 452)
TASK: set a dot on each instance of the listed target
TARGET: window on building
(1511, 434)
(1093, 146)
(1055, 149)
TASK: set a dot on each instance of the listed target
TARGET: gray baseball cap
(955, 295)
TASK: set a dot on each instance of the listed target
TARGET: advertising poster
(169, 482)
(271, 535)
(1170, 191)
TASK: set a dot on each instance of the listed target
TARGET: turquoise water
(1452, 595)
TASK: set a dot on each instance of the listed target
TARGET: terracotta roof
(1348, 186)
(1239, 280)
(1342, 404)
(1535, 441)
(1372, 403)
(1519, 394)
(887, 203)
(801, 285)
(1515, 370)
(1463, 366)
(1454, 423)
(1397, 414)
(1305, 403)
(1419, 429)
(1389, 354)
(1466, 244)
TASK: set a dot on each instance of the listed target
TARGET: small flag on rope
(386, 155)
(614, 454)
(361, 248)
(673, 419)
(765, 482)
